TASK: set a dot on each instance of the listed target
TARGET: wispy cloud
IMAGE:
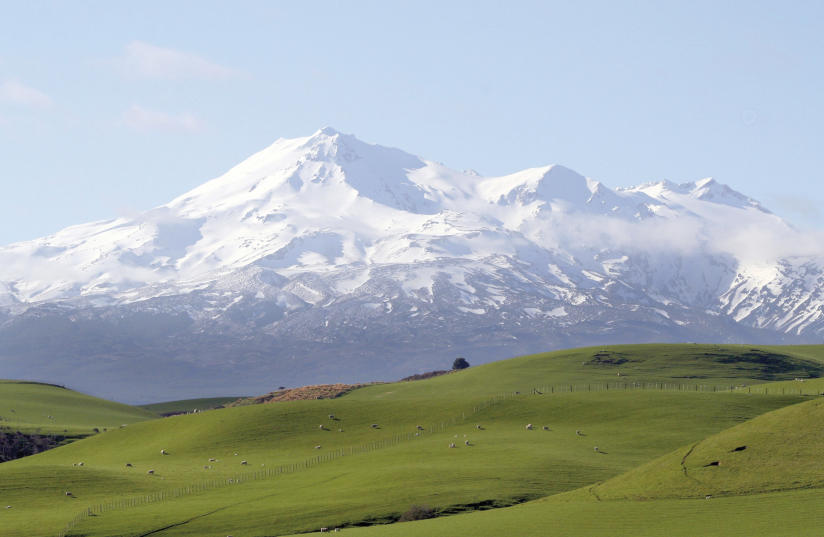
(150, 61)
(144, 119)
(13, 91)
(748, 236)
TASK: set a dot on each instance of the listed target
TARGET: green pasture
(188, 405)
(33, 407)
(321, 463)
(794, 513)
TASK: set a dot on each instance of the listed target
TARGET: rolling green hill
(34, 407)
(366, 457)
(188, 405)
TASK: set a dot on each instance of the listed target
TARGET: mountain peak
(327, 130)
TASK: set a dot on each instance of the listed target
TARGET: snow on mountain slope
(350, 249)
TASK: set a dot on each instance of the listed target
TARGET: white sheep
(320, 427)
(163, 452)
(596, 449)
(317, 447)
(243, 463)
(546, 427)
(452, 444)
(529, 426)
(579, 433)
(466, 442)
(211, 459)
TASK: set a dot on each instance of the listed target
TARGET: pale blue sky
(107, 108)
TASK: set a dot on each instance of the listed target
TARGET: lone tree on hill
(459, 363)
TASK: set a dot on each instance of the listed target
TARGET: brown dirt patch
(317, 391)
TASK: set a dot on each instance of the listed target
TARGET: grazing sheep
(243, 463)
(452, 444)
(68, 493)
(128, 465)
(331, 416)
(321, 427)
(150, 472)
(708, 497)
(323, 530)
(478, 426)
(80, 463)
(546, 427)
(466, 442)
(596, 449)
(418, 427)
(579, 433)
(317, 447)
(8, 507)
(374, 425)
(211, 459)
(417, 434)
(528, 426)
(340, 430)
(235, 453)
(163, 452)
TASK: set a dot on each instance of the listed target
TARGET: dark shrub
(460, 363)
(417, 512)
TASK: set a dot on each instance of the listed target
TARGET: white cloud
(150, 61)
(144, 119)
(748, 236)
(15, 92)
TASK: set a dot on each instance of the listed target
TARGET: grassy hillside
(796, 513)
(312, 464)
(780, 450)
(769, 482)
(188, 405)
(33, 407)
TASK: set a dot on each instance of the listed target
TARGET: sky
(112, 108)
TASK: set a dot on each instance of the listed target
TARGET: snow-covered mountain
(327, 258)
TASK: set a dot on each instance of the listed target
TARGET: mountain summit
(327, 258)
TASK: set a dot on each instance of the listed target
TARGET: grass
(667, 397)
(796, 513)
(188, 405)
(33, 407)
